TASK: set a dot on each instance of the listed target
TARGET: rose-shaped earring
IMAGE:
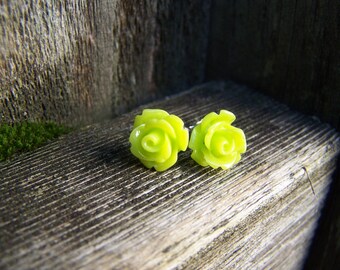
(157, 137)
(216, 142)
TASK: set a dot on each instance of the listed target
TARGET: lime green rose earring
(157, 137)
(215, 142)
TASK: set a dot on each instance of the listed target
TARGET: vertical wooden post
(82, 61)
(288, 49)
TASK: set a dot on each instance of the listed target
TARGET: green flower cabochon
(157, 137)
(215, 142)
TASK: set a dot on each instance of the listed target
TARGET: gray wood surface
(288, 49)
(84, 202)
(81, 61)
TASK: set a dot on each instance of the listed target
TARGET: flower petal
(151, 141)
(143, 147)
(165, 151)
(183, 140)
(207, 121)
(240, 139)
(149, 114)
(215, 162)
(148, 164)
(212, 130)
(222, 143)
(134, 139)
(182, 134)
(175, 122)
(226, 116)
(161, 124)
(198, 156)
(162, 166)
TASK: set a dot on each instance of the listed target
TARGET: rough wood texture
(325, 250)
(80, 61)
(84, 202)
(288, 49)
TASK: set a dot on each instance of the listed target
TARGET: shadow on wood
(287, 49)
(82, 61)
(84, 202)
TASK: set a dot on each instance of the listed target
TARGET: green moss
(27, 136)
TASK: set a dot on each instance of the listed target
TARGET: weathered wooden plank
(85, 202)
(324, 251)
(288, 49)
(81, 61)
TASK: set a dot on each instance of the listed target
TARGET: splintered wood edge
(97, 207)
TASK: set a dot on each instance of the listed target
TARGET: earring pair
(158, 136)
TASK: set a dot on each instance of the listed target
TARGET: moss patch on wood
(26, 136)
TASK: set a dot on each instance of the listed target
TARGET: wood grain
(84, 61)
(84, 202)
(287, 49)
